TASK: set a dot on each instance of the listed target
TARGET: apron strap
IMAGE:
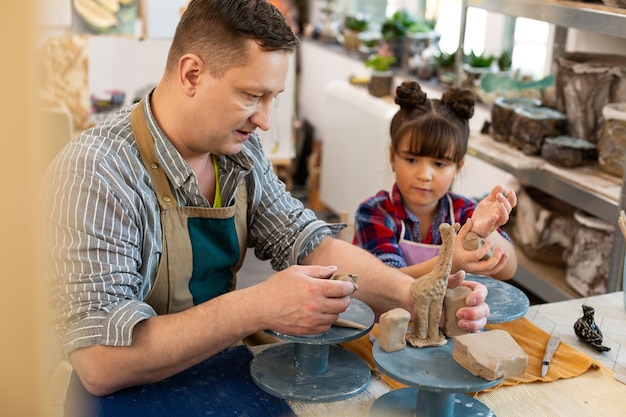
(145, 144)
(451, 208)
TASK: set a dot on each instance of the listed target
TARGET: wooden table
(224, 377)
(594, 393)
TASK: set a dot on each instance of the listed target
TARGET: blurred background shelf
(586, 188)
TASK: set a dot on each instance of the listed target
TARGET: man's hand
(473, 317)
(301, 300)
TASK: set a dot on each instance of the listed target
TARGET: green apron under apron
(203, 247)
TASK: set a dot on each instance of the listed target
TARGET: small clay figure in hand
(344, 322)
(349, 278)
(587, 330)
(428, 293)
(474, 241)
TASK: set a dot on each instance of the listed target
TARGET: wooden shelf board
(545, 281)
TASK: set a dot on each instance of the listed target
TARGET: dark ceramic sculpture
(587, 331)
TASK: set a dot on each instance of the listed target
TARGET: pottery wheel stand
(438, 385)
(312, 368)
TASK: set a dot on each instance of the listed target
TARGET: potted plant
(353, 25)
(479, 61)
(381, 79)
(505, 62)
(393, 31)
(356, 24)
(477, 65)
(396, 26)
(400, 24)
(445, 64)
(380, 63)
(445, 61)
(408, 37)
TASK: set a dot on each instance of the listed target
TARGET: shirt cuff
(393, 260)
(309, 239)
(109, 328)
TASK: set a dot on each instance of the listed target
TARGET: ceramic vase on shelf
(351, 40)
(612, 139)
(380, 83)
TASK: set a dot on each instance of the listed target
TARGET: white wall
(319, 66)
(54, 13)
(127, 64)
(54, 18)
(162, 17)
(581, 41)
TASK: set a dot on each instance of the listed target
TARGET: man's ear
(460, 164)
(189, 68)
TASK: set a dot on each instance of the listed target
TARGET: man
(151, 211)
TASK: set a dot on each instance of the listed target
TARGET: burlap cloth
(566, 363)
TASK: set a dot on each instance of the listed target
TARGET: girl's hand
(493, 211)
(477, 261)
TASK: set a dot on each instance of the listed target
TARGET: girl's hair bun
(461, 101)
(410, 94)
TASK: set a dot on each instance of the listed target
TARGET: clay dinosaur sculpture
(428, 293)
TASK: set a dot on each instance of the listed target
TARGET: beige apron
(203, 247)
(224, 229)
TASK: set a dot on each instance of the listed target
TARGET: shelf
(546, 282)
(551, 287)
(587, 188)
(578, 15)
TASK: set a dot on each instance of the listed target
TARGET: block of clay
(453, 300)
(531, 125)
(568, 152)
(490, 354)
(392, 329)
(502, 113)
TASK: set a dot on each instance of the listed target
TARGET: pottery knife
(551, 347)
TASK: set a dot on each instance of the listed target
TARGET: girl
(428, 145)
